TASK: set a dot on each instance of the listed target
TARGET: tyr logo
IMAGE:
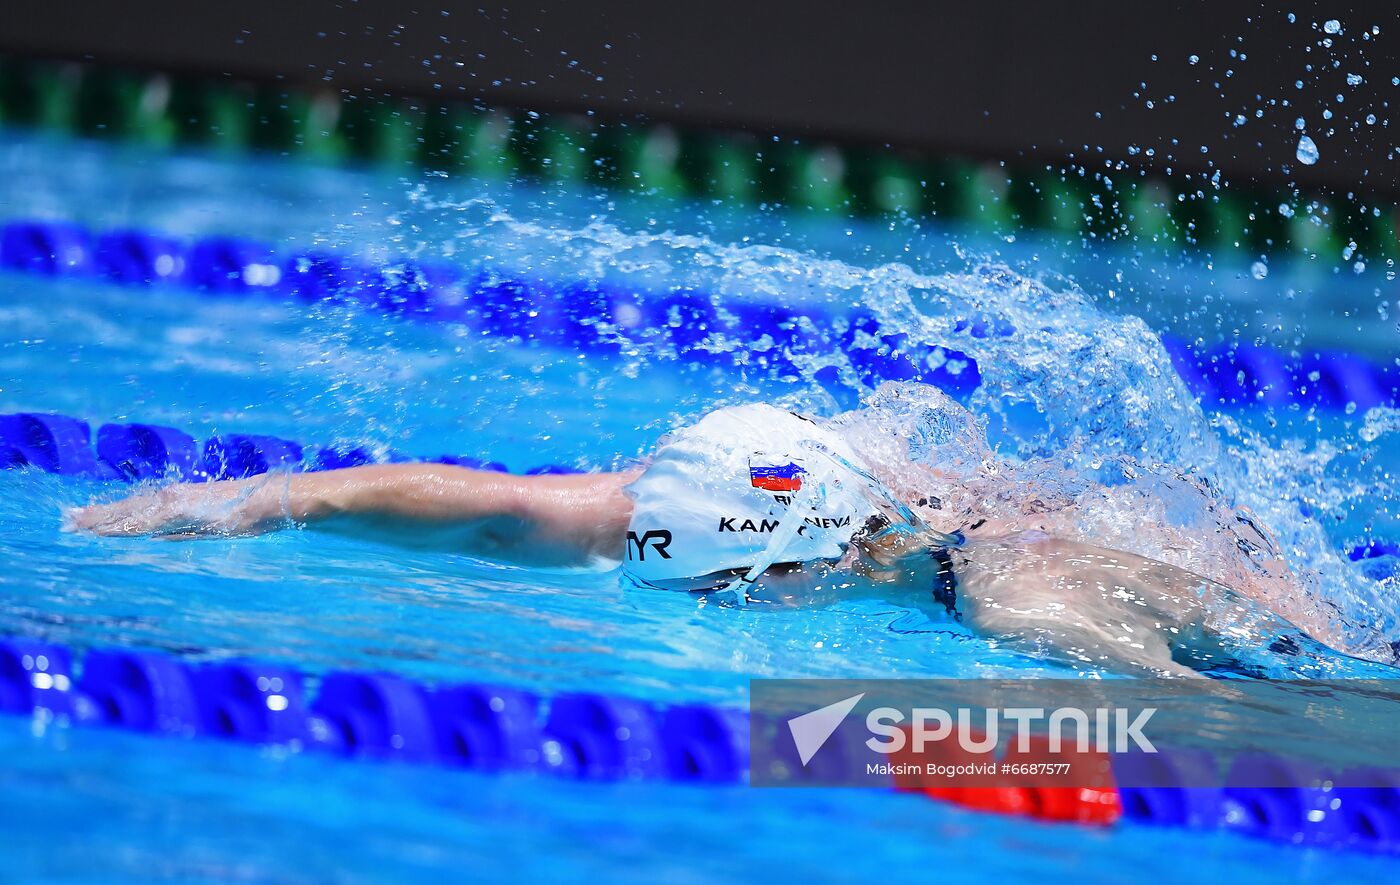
(657, 539)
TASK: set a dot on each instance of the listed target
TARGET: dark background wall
(1053, 80)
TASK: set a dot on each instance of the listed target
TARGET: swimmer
(782, 509)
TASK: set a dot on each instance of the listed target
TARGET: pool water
(1080, 374)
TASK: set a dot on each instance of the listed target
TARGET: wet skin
(1058, 598)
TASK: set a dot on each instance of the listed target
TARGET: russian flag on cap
(776, 477)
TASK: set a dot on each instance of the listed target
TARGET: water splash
(1378, 422)
(1079, 412)
(1307, 151)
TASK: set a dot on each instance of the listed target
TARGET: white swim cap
(717, 491)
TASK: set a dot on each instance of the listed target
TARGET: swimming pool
(344, 374)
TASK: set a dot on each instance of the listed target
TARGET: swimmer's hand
(187, 510)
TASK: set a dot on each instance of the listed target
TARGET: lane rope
(594, 736)
(690, 325)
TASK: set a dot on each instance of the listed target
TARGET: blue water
(1081, 375)
(88, 805)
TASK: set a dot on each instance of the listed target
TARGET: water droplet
(1299, 124)
(1332, 26)
(1307, 151)
(1193, 59)
(1285, 210)
(1354, 79)
(1259, 270)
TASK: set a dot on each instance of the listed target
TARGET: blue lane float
(253, 702)
(239, 456)
(1372, 818)
(139, 452)
(378, 715)
(53, 443)
(602, 738)
(597, 316)
(35, 676)
(140, 691)
(231, 266)
(374, 714)
(336, 458)
(1300, 802)
(592, 315)
(145, 451)
(1304, 806)
(1240, 376)
(595, 737)
(487, 728)
(1179, 806)
(706, 743)
(135, 257)
(51, 248)
(1375, 550)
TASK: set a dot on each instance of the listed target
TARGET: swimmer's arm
(560, 520)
